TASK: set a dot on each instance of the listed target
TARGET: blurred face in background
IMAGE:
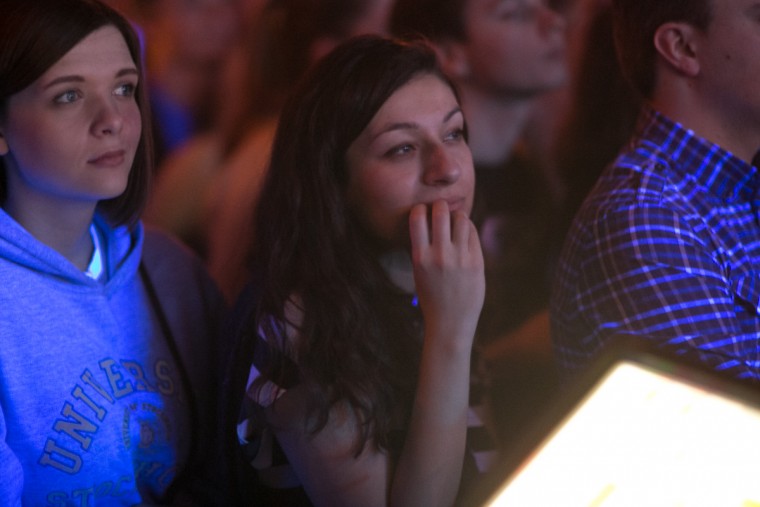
(513, 47)
(202, 30)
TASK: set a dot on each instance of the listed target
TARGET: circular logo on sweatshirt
(147, 436)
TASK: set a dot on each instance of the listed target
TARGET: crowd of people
(345, 252)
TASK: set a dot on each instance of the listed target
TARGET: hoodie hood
(120, 247)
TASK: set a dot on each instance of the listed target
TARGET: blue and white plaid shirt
(666, 247)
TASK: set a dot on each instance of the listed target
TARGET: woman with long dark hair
(353, 368)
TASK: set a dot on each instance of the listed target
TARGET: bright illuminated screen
(644, 438)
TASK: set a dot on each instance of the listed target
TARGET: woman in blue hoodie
(106, 328)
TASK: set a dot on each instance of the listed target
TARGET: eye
(67, 97)
(456, 135)
(399, 150)
(126, 90)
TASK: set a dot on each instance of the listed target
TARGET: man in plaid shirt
(667, 245)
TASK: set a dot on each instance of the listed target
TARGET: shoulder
(177, 272)
(164, 253)
(642, 199)
(640, 181)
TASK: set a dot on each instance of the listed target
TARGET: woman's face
(72, 134)
(412, 151)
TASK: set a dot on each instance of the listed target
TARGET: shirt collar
(95, 268)
(718, 170)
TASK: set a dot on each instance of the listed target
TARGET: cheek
(468, 175)
(496, 63)
(133, 125)
(383, 201)
(496, 42)
(467, 179)
(24, 145)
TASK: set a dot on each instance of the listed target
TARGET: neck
(66, 232)
(733, 129)
(398, 265)
(495, 126)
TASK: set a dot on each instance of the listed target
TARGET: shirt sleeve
(256, 439)
(654, 272)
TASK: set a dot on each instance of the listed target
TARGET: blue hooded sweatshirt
(96, 407)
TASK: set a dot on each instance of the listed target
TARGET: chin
(112, 192)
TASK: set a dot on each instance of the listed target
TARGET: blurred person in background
(602, 113)
(187, 43)
(184, 195)
(292, 36)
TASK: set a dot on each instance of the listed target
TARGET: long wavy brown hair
(360, 338)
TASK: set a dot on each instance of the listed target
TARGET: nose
(441, 167)
(107, 118)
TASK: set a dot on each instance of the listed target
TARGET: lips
(109, 159)
(455, 204)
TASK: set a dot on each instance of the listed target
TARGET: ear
(677, 44)
(454, 58)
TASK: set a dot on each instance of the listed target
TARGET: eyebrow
(79, 79)
(411, 125)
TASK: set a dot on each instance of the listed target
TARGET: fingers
(439, 229)
(461, 230)
(465, 234)
(448, 267)
(444, 228)
(441, 223)
(419, 232)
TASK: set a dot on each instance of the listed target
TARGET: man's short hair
(635, 23)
